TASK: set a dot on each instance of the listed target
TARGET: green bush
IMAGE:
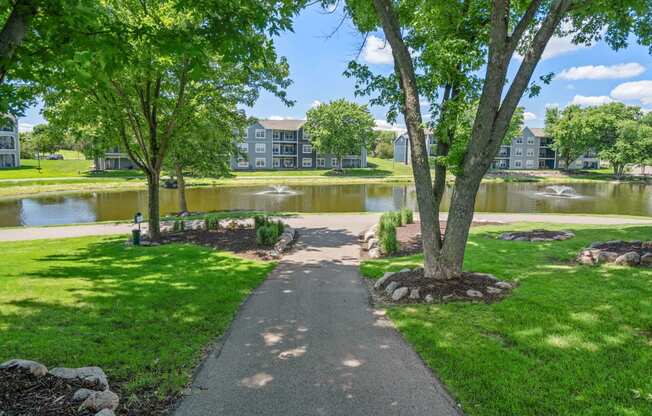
(269, 233)
(280, 227)
(212, 222)
(407, 216)
(260, 221)
(178, 226)
(388, 242)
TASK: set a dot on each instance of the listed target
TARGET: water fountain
(559, 191)
(279, 190)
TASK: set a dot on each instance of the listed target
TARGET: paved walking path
(35, 233)
(307, 342)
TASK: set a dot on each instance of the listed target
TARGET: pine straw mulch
(442, 291)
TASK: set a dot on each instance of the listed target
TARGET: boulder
(100, 400)
(585, 257)
(429, 298)
(93, 375)
(595, 244)
(616, 242)
(606, 257)
(372, 243)
(628, 259)
(493, 290)
(404, 270)
(374, 253)
(381, 282)
(34, 368)
(646, 260)
(414, 294)
(391, 287)
(647, 245)
(81, 395)
(503, 285)
(400, 293)
(371, 233)
(506, 236)
(474, 293)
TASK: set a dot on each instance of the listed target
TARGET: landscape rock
(374, 253)
(93, 375)
(628, 259)
(371, 233)
(36, 369)
(381, 282)
(105, 412)
(585, 257)
(391, 287)
(372, 243)
(606, 257)
(474, 294)
(646, 260)
(100, 400)
(503, 285)
(81, 395)
(400, 293)
(647, 245)
(429, 298)
(414, 294)
(493, 290)
(404, 270)
(615, 242)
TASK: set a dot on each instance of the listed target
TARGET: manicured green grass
(49, 169)
(376, 168)
(143, 314)
(570, 340)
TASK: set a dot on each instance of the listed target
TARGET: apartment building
(283, 144)
(9, 142)
(114, 159)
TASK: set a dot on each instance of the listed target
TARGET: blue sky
(587, 76)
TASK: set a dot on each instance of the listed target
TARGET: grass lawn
(143, 314)
(570, 340)
(376, 168)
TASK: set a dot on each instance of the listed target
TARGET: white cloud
(560, 46)
(315, 103)
(282, 118)
(636, 90)
(646, 110)
(592, 100)
(25, 127)
(528, 116)
(552, 105)
(377, 51)
(384, 125)
(618, 71)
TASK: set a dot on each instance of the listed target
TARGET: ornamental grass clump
(267, 231)
(407, 217)
(387, 233)
(212, 222)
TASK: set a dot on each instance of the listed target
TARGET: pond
(586, 198)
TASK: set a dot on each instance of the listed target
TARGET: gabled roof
(538, 132)
(426, 131)
(282, 124)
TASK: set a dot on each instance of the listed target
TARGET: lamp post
(138, 219)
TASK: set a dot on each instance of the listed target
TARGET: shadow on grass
(142, 314)
(571, 339)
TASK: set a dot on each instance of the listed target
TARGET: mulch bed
(622, 247)
(443, 291)
(536, 235)
(241, 241)
(22, 394)
(409, 236)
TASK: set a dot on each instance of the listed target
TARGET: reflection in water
(597, 198)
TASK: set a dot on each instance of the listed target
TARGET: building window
(530, 140)
(519, 140)
(321, 162)
(306, 136)
(334, 162)
(260, 133)
(307, 148)
(518, 151)
(306, 162)
(243, 163)
(529, 163)
(261, 148)
(276, 163)
(518, 164)
(8, 127)
(261, 162)
(276, 135)
(244, 147)
(288, 135)
(530, 153)
(7, 142)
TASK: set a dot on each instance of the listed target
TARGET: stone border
(370, 237)
(100, 400)
(595, 256)
(284, 242)
(518, 236)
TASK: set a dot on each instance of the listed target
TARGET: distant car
(55, 156)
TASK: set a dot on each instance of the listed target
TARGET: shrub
(212, 222)
(388, 242)
(280, 227)
(407, 216)
(260, 221)
(178, 226)
(396, 217)
(269, 233)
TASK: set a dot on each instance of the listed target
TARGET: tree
(136, 78)
(633, 145)
(570, 132)
(498, 32)
(383, 144)
(340, 128)
(42, 139)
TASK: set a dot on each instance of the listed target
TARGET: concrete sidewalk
(307, 342)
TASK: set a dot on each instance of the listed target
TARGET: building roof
(282, 124)
(538, 132)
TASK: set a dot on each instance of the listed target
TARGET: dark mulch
(622, 247)
(241, 241)
(444, 290)
(537, 234)
(409, 236)
(22, 394)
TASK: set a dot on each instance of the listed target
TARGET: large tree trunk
(181, 189)
(14, 31)
(153, 206)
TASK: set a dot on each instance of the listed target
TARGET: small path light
(138, 218)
